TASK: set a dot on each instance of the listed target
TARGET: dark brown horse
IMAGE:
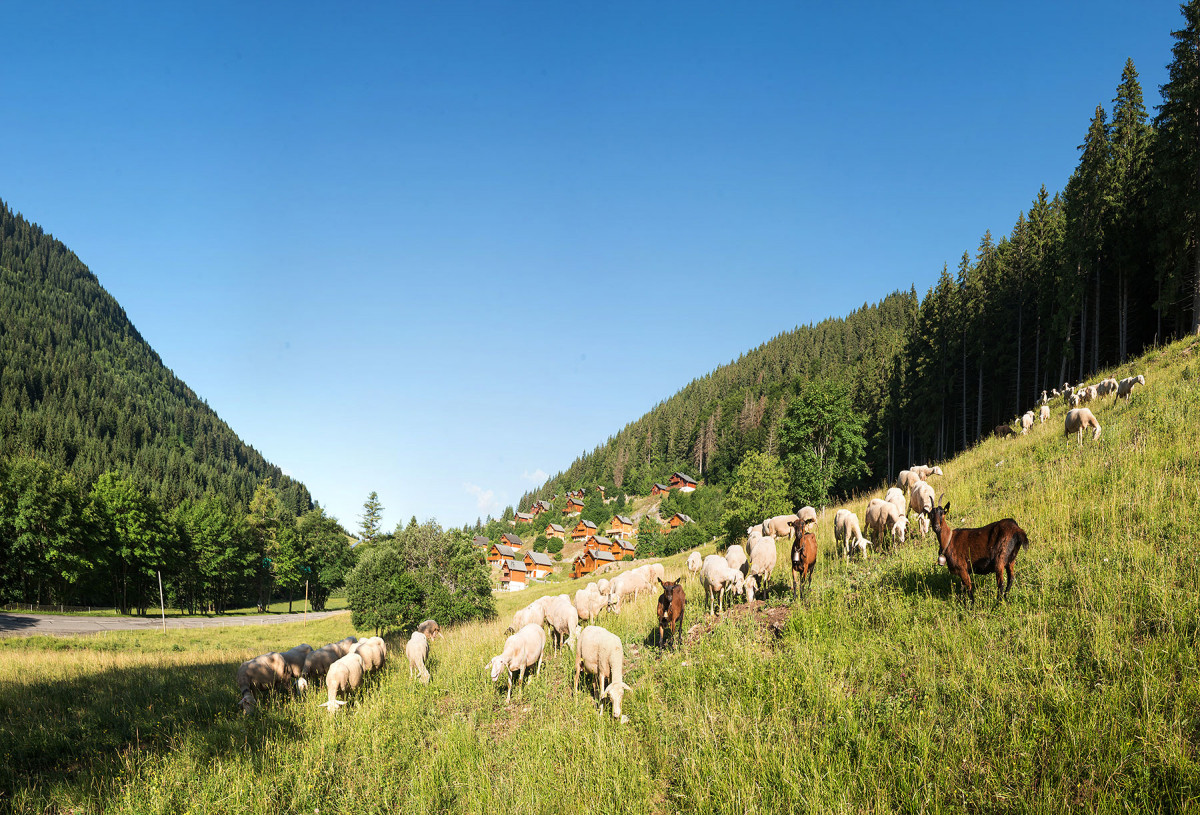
(804, 554)
(670, 610)
(986, 549)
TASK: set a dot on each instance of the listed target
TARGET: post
(305, 604)
(162, 606)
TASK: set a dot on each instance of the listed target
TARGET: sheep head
(496, 666)
(616, 692)
(247, 703)
(333, 705)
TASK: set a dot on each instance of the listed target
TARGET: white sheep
(342, 646)
(1077, 420)
(848, 533)
(629, 584)
(1026, 421)
(1044, 413)
(1125, 386)
(563, 618)
(924, 471)
(602, 585)
(589, 604)
(263, 673)
(736, 557)
(532, 614)
(694, 562)
(895, 497)
(601, 653)
(316, 665)
(1086, 394)
(763, 556)
(717, 578)
(417, 650)
(294, 657)
(922, 499)
(429, 628)
(344, 676)
(522, 650)
(373, 652)
(1107, 387)
(882, 518)
(906, 479)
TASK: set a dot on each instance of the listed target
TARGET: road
(26, 625)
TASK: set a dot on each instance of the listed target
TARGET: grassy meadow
(881, 692)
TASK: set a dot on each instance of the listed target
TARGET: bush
(554, 546)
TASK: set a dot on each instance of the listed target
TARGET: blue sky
(437, 250)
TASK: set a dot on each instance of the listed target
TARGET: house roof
(516, 566)
(505, 551)
(574, 500)
(624, 520)
(687, 519)
(661, 486)
(513, 540)
(481, 540)
(627, 545)
(555, 527)
(683, 477)
(588, 525)
(524, 516)
(600, 554)
(540, 558)
(603, 541)
(544, 504)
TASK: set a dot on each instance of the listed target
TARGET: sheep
(736, 557)
(602, 585)
(624, 585)
(430, 629)
(806, 514)
(532, 614)
(589, 604)
(601, 653)
(1045, 399)
(316, 665)
(344, 675)
(848, 533)
(1077, 420)
(522, 650)
(373, 653)
(921, 499)
(694, 562)
(1026, 421)
(294, 657)
(923, 471)
(717, 577)
(1086, 394)
(882, 518)
(564, 622)
(1044, 413)
(343, 645)
(1107, 387)
(266, 672)
(655, 571)
(906, 479)
(1125, 386)
(895, 497)
(779, 526)
(417, 650)
(763, 556)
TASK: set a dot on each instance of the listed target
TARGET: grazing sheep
(344, 676)
(763, 556)
(1074, 400)
(906, 479)
(895, 497)
(1044, 413)
(921, 499)
(564, 622)
(806, 514)
(848, 533)
(736, 557)
(1077, 420)
(655, 571)
(522, 650)
(343, 645)
(316, 665)
(883, 519)
(717, 578)
(430, 629)
(373, 653)
(779, 526)
(1086, 394)
(694, 562)
(1125, 386)
(1107, 387)
(601, 653)
(263, 673)
(294, 657)
(923, 471)
(630, 584)
(670, 610)
(589, 604)
(1026, 421)
(417, 650)
(602, 585)
(532, 614)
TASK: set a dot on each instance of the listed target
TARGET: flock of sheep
(341, 665)
(1079, 417)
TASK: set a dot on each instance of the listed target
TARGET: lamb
(523, 650)
(922, 499)
(430, 629)
(1044, 413)
(848, 533)
(601, 653)
(373, 652)
(1077, 420)
(564, 622)
(264, 673)
(1125, 386)
(589, 604)
(736, 557)
(294, 657)
(417, 650)
(316, 665)
(717, 577)
(1026, 421)
(694, 562)
(344, 676)
(895, 497)
(779, 526)
(882, 518)
(763, 556)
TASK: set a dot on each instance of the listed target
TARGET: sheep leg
(508, 698)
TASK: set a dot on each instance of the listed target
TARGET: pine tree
(368, 529)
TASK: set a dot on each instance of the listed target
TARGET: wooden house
(538, 564)
(679, 519)
(683, 483)
(598, 542)
(659, 489)
(513, 575)
(582, 530)
(539, 507)
(621, 527)
(499, 553)
(482, 542)
(524, 518)
(577, 567)
(626, 550)
(574, 506)
(595, 558)
(512, 540)
(555, 531)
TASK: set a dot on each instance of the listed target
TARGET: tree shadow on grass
(77, 731)
(922, 583)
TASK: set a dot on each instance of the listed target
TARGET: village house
(555, 531)
(482, 541)
(659, 489)
(621, 527)
(513, 575)
(512, 540)
(625, 550)
(574, 506)
(538, 564)
(540, 507)
(683, 483)
(498, 553)
(582, 530)
(679, 519)
(524, 518)
(589, 561)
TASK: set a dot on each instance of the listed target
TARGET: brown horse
(804, 554)
(670, 610)
(986, 549)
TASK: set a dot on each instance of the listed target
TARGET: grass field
(882, 693)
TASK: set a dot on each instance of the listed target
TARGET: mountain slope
(81, 388)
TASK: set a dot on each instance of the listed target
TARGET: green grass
(883, 693)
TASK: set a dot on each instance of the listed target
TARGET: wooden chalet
(513, 575)
(577, 567)
(598, 542)
(524, 518)
(679, 519)
(621, 527)
(538, 564)
(659, 489)
(512, 540)
(555, 531)
(498, 553)
(597, 558)
(626, 550)
(582, 530)
(539, 507)
(482, 541)
(574, 506)
(681, 482)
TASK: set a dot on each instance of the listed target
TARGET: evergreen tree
(372, 517)
(759, 491)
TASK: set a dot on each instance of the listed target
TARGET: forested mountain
(81, 389)
(1085, 279)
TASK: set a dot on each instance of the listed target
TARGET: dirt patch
(771, 619)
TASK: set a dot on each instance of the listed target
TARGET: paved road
(24, 625)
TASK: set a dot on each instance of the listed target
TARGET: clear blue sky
(438, 249)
